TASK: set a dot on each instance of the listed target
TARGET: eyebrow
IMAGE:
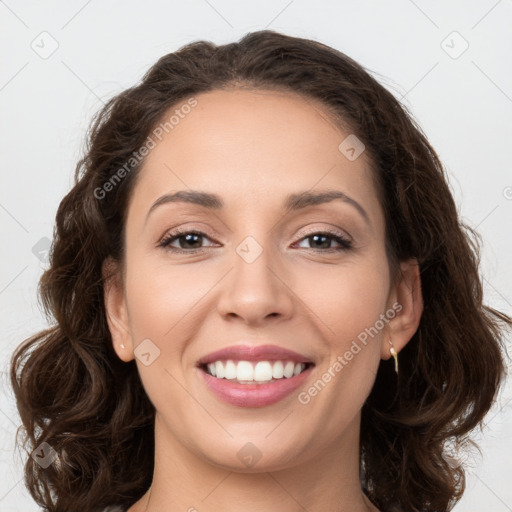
(293, 202)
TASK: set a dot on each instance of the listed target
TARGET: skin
(253, 148)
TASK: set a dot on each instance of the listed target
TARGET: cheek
(161, 298)
(346, 299)
(348, 302)
(163, 302)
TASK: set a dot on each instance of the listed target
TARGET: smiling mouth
(254, 372)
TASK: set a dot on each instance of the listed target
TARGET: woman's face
(257, 275)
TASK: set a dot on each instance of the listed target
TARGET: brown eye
(322, 241)
(188, 241)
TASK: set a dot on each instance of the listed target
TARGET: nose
(256, 292)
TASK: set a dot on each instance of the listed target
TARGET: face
(285, 282)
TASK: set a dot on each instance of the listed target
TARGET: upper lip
(254, 353)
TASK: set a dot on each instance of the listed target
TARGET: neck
(183, 480)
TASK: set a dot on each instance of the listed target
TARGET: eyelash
(345, 243)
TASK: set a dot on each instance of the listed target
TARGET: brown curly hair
(74, 393)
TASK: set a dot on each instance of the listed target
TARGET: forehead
(252, 147)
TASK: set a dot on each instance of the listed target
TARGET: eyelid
(346, 242)
(331, 230)
(179, 230)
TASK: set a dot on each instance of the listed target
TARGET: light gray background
(463, 101)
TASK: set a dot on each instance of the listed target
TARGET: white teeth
(230, 370)
(263, 371)
(219, 370)
(260, 371)
(244, 370)
(278, 370)
(298, 368)
(288, 369)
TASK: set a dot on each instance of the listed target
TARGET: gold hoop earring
(394, 354)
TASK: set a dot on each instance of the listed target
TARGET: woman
(263, 297)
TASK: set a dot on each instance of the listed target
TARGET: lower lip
(254, 395)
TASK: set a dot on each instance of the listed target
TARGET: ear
(116, 310)
(406, 292)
